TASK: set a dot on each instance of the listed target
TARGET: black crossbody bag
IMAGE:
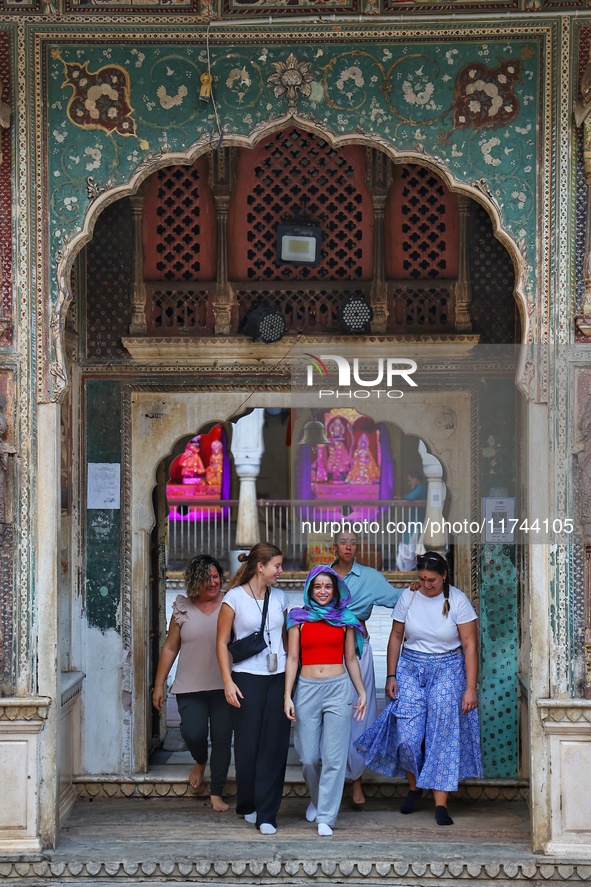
(254, 643)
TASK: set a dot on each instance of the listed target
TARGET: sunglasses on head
(425, 559)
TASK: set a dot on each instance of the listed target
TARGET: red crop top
(321, 643)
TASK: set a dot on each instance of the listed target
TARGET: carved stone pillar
(137, 327)
(581, 114)
(378, 178)
(247, 449)
(587, 257)
(22, 720)
(436, 490)
(5, 320)
(4, 114)
(587, 642)
(463, 321)
(224, 306)
(6, 556)
(582, 451)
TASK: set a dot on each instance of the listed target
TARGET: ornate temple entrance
(196, 249)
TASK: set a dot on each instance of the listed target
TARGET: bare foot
(196, 776)
(358, 796)
(217, 804)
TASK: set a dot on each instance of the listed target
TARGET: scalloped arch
(100, 199)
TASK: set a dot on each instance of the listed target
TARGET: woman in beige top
(198, 683)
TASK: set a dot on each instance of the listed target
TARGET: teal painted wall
(103, 526)
(467, 104)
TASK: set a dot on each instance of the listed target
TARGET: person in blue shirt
(406, 555)
(368, 588)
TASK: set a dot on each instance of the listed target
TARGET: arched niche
(157, 419)
(477, 192)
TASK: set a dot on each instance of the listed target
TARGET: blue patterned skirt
(423, 730)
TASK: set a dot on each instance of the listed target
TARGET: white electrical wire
(215, 107)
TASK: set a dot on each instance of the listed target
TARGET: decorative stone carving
(565, 711)
(4, 114)
(379, 179)
(581, 112)
(583, 454)
(292, 78)
(6, 450)
(587, 653)
(24, 708)
(137, 327)
(463, 289)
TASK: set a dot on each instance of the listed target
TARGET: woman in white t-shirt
(429, 732)
(254, 686)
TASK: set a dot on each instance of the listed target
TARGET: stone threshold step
(272, 871)
(163, 785)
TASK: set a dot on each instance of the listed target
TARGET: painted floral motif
(291, 77)
(485, 97)
(101, 99)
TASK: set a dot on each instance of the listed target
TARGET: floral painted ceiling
(466, 106)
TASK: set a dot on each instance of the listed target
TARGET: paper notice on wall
(104, 485)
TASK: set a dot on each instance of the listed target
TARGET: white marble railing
(292, 525)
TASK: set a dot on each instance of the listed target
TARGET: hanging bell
(205, 91)
(313, 432)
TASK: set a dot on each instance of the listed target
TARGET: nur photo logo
(373, 378)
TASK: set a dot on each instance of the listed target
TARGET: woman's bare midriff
(323, 671)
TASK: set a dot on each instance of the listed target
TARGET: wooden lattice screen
(179, 225)
(420, 226)
(296, 174)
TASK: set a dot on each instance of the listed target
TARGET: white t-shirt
(426, 629)
(247, 618)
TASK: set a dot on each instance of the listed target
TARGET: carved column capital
(138, 327)
(224, 305)
(379, 177)
(463, 290)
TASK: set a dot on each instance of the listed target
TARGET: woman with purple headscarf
(325, 637)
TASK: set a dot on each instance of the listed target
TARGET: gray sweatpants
(323, 711)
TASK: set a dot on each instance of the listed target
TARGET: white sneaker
(250, 817)
(266, 828)
(324, 830)
(311, 812)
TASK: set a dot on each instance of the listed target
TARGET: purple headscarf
(334, 613)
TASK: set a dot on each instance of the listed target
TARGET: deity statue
(320, 466)
(191, 464)
(339, 461)
(213, 472)
(364, 469)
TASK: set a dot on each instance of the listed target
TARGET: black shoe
(442, 816)
(412, 797)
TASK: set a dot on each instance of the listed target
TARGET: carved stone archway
(99, 200)
(155, 418)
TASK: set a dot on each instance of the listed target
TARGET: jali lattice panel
(109, 264)
(295, 176)
(179, 224)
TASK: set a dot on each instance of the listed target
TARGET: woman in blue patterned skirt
(429, 731)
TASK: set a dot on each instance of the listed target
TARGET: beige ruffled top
(197, 667)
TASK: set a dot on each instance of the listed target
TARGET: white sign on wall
(104, 489)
